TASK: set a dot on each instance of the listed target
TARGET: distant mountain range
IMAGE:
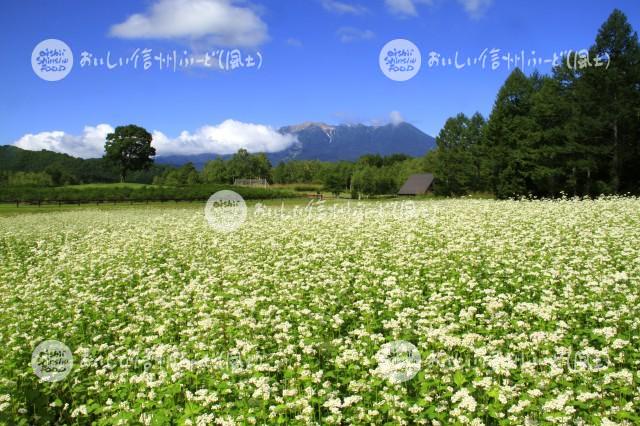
(319, 141)
(315, 141)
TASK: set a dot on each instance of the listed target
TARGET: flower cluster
(311, 302)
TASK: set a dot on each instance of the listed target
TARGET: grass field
(521, 312)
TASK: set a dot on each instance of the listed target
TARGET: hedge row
(147, 193)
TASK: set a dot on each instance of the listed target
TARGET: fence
(259, 182)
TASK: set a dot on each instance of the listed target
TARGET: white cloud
(350, 34)
(90, 144)
(402, 7)
(396, 118)
(220, 22)
(224, 138)
(343, 7)
(475, 8)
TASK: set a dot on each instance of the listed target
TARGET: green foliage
(243, 165)
(129, 148)
(613, 100)
(371, 180)
(184, 175)
(334, 183)
(29, 179)
(59, 176)
(114, 193)
(300, 171)
(216, 171)
(510, 132)
(337, 177)
(371, 174)
(61, 167)
(574, 132)
(458, 158)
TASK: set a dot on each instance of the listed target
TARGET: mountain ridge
(342, 142)
(314, 141)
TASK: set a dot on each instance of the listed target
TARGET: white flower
(558, 403)
(333, 405)
(79, 411)
(467, 402)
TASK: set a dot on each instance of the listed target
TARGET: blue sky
(320, 63)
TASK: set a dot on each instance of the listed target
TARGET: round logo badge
(225, 211)
(52, 60)
(400, 60)
(51, 360)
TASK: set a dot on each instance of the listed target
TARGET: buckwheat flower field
(521, 312)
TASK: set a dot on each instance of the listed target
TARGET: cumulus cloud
(350, 34)
(224, 138)
(395, 118)
(90, 144)
(220, 22)
(341, 7)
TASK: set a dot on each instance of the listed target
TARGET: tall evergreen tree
(617, 93)
(510, 135)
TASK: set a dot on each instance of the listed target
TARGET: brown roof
(417, 184)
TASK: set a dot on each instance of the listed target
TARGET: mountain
(315, 141)
(320, 141)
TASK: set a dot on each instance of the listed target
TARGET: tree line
(20, 167)
(371, 174)
(576, 131)
(115, 194)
